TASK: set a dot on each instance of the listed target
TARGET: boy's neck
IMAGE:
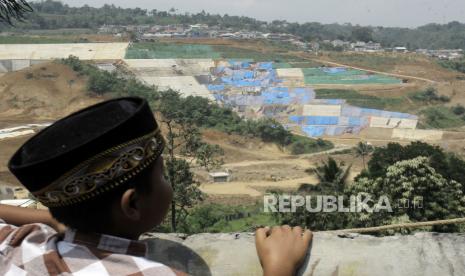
(115, 232)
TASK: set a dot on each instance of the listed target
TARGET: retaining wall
(421, 254)
(418, 134)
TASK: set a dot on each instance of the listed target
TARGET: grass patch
(306, 64)
(281, 65)
(354, 98)
(248, 224)
(36, 40)
(149, 50)
(346, 76)
(440, 117)
(306, 145)
(219, 218)
(374, 61)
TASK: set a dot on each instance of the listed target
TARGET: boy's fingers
(307, 237)
(297, 230)
(260, 235)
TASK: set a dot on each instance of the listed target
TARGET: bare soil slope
(42, 92)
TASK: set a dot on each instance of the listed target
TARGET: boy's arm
(282, 249)
(20, 216)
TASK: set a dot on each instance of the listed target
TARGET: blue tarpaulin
(262, 88)
(321, 120)
(314, 131)
(334, 70)
(216, 87)
(315, 120)
(265, 65)
(355, 121)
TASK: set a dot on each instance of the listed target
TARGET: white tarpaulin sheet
(321, 110)
(393, 122)
(290, 73)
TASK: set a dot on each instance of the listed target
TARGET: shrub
(430, 95)
(458, 109)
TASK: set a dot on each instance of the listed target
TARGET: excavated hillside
(40, 93)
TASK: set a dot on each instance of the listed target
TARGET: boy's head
(99, 169)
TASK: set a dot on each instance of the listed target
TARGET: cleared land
(84, 51)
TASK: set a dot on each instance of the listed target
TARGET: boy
(100, 173)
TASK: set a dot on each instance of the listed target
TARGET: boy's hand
(282, 249)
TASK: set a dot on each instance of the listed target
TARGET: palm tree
(13, 9)
(363, 149)
(331, 175)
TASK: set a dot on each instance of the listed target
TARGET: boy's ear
(129, 204)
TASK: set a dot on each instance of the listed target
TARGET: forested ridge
(51, 14)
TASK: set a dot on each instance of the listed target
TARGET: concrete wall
(234, 254)
(13, 65)
(186, 85)
(5, 66)
(204, 64)
(384, 122)
(169, 67)
(417, 134)
(20, 64)
(321, 110)
(85, 51)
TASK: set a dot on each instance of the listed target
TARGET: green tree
(332, 176)
(362, 34)
(449, 165)
(182, 137)
(363, 150)
(101, 82)
(415, 191)
(186, 191)
(209, 156)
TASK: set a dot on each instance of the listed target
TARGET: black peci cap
(89, 152)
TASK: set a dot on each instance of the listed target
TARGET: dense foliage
(430, 95)
(416, 192)
(448, 165)
(55, 15)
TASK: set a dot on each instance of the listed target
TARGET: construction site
(286, 91)
(256, 90)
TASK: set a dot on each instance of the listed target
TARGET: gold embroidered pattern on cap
(103, 172)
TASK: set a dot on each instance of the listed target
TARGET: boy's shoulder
(40, 250)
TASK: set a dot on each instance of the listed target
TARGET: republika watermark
(362, 202)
